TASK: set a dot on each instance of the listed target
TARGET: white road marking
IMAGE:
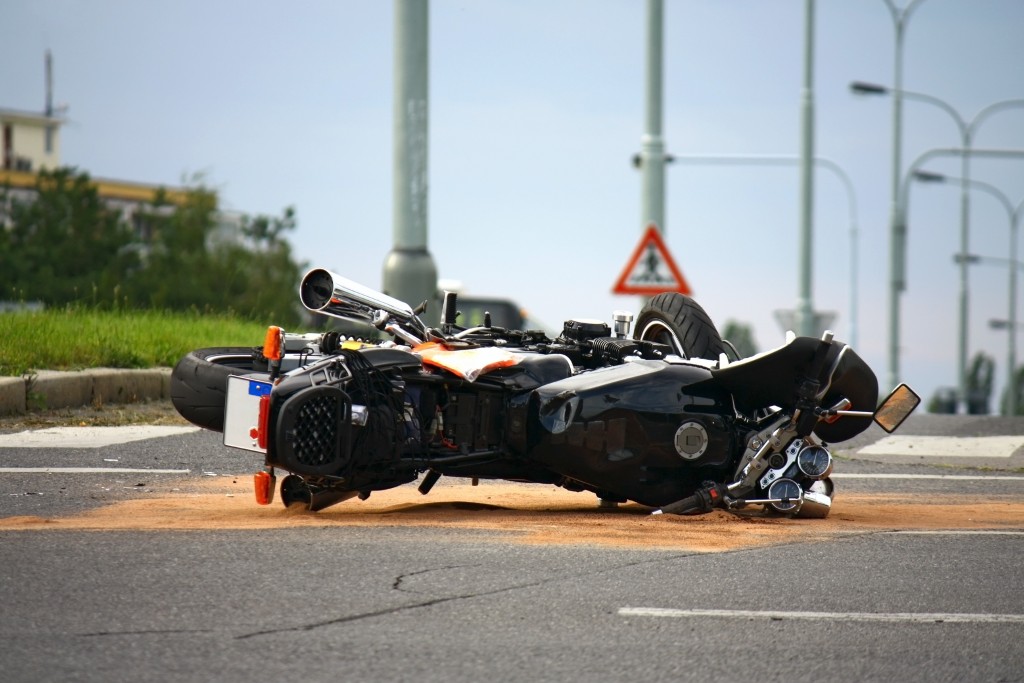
(89, 437)
(913, 617)
(960, 532)
(946, 446)
(86, 470)
(954, 477)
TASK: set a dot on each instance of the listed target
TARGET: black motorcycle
(669, 417)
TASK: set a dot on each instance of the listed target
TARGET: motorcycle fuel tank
(646, 431)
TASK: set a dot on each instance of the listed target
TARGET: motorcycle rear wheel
(199, 383)
(677, 320)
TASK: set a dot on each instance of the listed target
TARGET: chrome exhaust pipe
(322, 291)
(817, 500)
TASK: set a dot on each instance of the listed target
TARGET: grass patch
(76, 338)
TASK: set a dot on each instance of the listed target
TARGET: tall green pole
(652, 149)
(804, 307)
(1011, 343)
(409, 271)
(897, 213)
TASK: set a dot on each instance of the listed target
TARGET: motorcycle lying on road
(666, 417)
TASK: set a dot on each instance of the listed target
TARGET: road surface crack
(451, 598)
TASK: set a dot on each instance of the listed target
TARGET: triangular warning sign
(651, 270)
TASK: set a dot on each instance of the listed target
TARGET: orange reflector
(264, 483)
(263, 421)
(272, 343)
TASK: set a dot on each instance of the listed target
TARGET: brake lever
(839, 410)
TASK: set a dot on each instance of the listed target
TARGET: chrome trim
(322, 291)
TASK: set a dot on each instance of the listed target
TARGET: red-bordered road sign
(651, 269)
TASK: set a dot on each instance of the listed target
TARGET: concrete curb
(48, 389)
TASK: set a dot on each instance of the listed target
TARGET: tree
(979, 384)
(741, 336)
(254, 276)
(177, 272)
(1018, 386)
(260, 276)
(64, 244)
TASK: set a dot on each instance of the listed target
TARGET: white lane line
(953, 477)
(945, 446)
(912, 617)
(960, 532)
(89, 437)
(86, 470)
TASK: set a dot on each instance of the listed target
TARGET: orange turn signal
(264, 483)
(272, 343)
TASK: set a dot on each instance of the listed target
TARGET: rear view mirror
(896, 408)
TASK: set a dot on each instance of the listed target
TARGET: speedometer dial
(787, 495)
(815, 462)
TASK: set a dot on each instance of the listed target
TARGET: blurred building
(31, 143)
(30, 140)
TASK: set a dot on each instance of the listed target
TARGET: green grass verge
(76, 338)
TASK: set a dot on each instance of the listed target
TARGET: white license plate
(242, 412)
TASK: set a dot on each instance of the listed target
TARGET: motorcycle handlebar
(686, 506)
(704, 500)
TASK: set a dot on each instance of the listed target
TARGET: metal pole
(897, 221)
(966, 130)
(1011, 347)
(964, 258)
(964, 312)
(652, 148)
(897, 233)
(900, 223)
(409, 271)
(804, 306)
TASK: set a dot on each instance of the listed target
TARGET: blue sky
(536, 108)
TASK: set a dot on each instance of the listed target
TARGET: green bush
(77, 337)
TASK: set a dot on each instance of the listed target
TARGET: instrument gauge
(815, 462)
(787, 494)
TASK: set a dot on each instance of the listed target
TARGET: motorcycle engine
(589, 343)
(584, 330)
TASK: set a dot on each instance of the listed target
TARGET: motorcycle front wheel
(677, 320)
(199, 383)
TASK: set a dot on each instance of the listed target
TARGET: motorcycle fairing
(614, 429)
(772, 379)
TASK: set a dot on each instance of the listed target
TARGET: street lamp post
(967, 129)
(965, 259)
(900, 18)
(899, 239)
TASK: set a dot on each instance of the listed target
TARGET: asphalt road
(433, 603)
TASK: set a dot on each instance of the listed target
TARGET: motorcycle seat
(774, 377)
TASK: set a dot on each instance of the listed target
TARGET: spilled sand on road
(530, 514)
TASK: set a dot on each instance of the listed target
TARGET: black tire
(199, 383)
(679, 321)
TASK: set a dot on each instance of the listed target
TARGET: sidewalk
(49, 389)
(975, 441)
